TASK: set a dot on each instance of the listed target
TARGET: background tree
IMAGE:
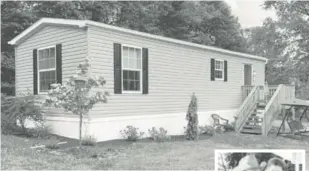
(208, 23)
(293, 20)
(267, 41)
(15, 17)
(284, 43)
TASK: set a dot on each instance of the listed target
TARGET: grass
(177, 154)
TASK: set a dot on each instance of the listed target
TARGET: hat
(248, 163)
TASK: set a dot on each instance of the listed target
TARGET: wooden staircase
(257, 112)
(253, 124)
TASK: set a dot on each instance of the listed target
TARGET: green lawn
(177, 154)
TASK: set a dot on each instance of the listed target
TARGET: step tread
(251, 131)
(253, 122)
(252, 127)
(256, 118)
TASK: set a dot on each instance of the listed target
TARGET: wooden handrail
(272, 90)
(246, 108)
(273, 107)
(246, 89)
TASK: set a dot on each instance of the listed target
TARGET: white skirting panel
(108, 128)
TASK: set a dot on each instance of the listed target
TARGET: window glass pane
(125, 51)
(133, 63)
(221, 65)
(138, 53)
(138, 64)
(131, 58)
(45, 53)
(138, 59)
(41, 64)
(217, 65)
(131, 53)
(125, 74)
(125, 62)
(46, 79)
(52, 63)
(125, 85)
(218, 74)
(131, 80)
(137, 74)
(40, 54)
(137, 85)
(131, 75)
(131, 85)
(52, 53)
(134, 54)
(46, 61)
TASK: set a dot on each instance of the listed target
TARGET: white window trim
(219, 79)
(42, 70)
(140, 70)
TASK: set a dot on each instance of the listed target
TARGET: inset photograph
(260, 160)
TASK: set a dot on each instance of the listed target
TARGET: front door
(248, 74)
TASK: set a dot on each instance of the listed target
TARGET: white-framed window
(131, 69)
(219, 69)
(46, 58)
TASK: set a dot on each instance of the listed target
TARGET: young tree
(192, 117)
(74, 96)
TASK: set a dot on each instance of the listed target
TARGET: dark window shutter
(35, 72)
(145, 71)
(212, 69)
(225, 70)
(117, 69)
(59, 63)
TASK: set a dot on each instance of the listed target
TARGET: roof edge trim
(181, 42)
(79, 23)
(84, 23)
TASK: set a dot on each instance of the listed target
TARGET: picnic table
(292, 103)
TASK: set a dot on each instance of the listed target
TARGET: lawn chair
(221, 123)
(297, 128)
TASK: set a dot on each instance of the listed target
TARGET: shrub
(89, 141)
(192, 117)
(158, 135)
(42, 131)
(8, 122)
(21, 108)
(230, 127)
(131, 133)
(207, 130)
(219, 129)
(52, 146)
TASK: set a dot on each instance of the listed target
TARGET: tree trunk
(80, 129)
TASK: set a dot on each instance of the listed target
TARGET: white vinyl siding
(175, 72)
(74, 51)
